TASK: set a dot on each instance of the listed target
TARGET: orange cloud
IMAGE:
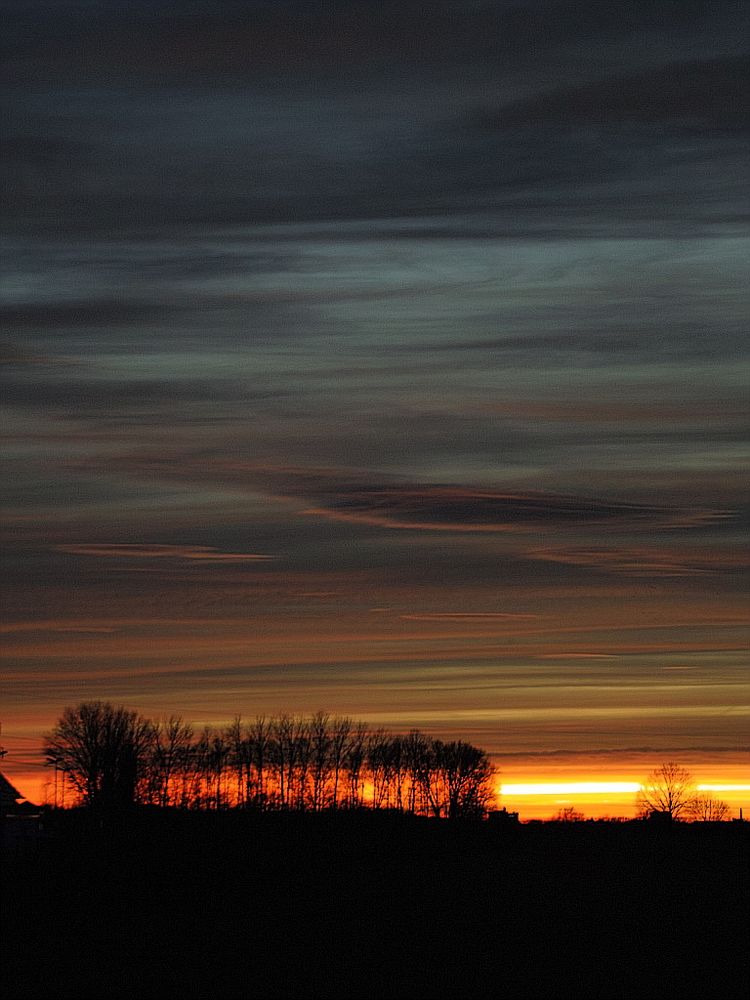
(466, 616)
(642, 561)
(387, 521)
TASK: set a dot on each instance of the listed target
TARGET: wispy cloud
(467, 616)
(439, 508)
(712, 91)
(641, 561)
(625, 752)
(190, 553)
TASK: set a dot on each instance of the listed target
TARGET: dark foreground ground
(225, 906)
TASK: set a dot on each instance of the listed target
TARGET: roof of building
(8, 794)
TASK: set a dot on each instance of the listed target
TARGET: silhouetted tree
(568, 814)
(417, 763)
(110, 755)
(260, 740)
(356, 752)
(668, 789)
(341, 740)
(239, 759)
(289, 757)
(321, 762)
(171, 743)
(461, 779)
(103, 752)
(706, 809)
(219, 753)
(378, 766)
(302, 757)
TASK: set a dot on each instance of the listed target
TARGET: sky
(386, 359)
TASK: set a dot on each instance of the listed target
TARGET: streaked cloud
(379, 362)
(711, 91)
(125, 550)
(629, 751)
(435, 508)
(655, 562)
(468, 616)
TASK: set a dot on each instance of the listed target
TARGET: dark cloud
(438, 508)
(33, 317)
(14, 355)
(86, 397)
(232, 40)
(150, 116)
(709, 93)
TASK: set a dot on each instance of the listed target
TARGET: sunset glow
(723, 788)
(374, 510)
(369, 368)
(572, 788)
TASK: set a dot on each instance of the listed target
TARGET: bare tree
(706, 809)
(669, 789)
(461, 779)
(239, 759)
(321, 761)
(378, 761)
(202, 796)
(290, 757)
(356, 754)
(171, 742)
(219, 751)
(112, 756)
(416, 754)
(260, 742)
(341, 739)
(568, 814)
(398, 770)
(302, 757)
(102, 751)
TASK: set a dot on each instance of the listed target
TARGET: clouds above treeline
(385, 356)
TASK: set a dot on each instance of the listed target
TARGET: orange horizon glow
(533, 799)
(540, 799)
(598, 788)
(356, 416)
(570, 788)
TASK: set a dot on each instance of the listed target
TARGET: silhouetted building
(9, 796)
(659, 818)
(501, 817)
(20, 820)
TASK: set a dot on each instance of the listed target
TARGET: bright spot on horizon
(723, 788)
(572, 788)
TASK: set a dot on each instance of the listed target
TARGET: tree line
(112, 758)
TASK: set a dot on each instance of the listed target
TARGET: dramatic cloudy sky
(386, 358)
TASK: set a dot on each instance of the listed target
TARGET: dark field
(375, 906)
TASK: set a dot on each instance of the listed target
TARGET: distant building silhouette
(9, 796)
(660, 817)
(19, 818)
(501, 817)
